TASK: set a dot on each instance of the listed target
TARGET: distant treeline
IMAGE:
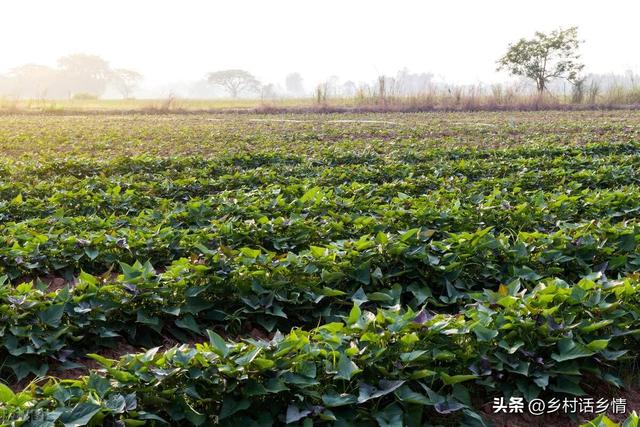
(76, 76)
(88, 77)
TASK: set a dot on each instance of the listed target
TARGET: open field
(145, 105)
(348, 269)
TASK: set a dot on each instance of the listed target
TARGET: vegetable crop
(351, 270)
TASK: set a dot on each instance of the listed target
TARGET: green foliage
(604, 421)
(375, 280)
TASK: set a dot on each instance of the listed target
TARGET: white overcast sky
(170, 41)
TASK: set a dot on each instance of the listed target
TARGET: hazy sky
(182, 40)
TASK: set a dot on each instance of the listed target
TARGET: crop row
(372, 366)
(231, 286)
(283, 219)
(45, 136)
(236, 172)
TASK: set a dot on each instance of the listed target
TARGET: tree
(125, 81)
(545, 57)
(409, 83)
(268, 91)
(294, 84)
(85, 73)
(332, 85)
(234, 81)
(349, 88)
(32, 81)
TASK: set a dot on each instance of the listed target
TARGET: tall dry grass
(385, 96)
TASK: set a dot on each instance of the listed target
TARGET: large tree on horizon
(85, 73)
(234, 81)
(545, 57)
(125, 81)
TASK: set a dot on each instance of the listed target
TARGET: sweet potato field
(364, 270)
